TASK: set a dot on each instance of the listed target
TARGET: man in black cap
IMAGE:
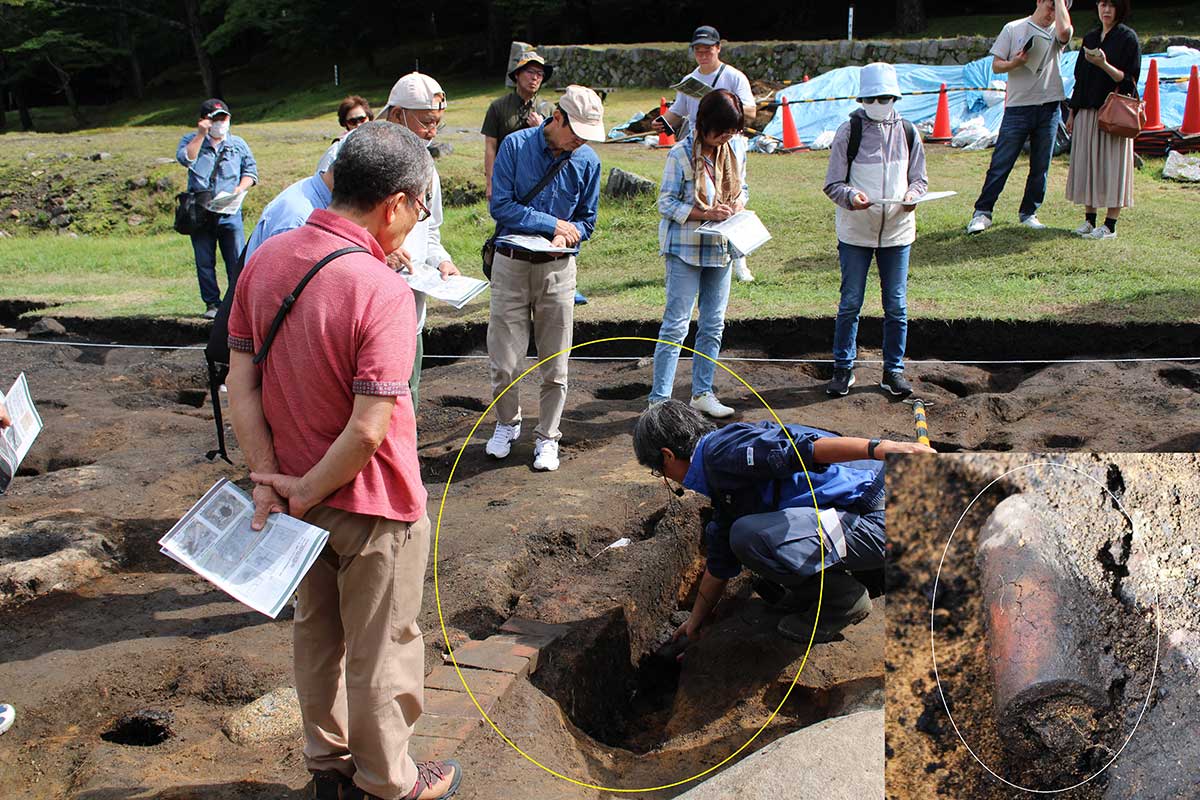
(710, 70)
(515, 111)
(217, 162)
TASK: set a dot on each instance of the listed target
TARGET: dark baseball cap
(706, 34)
(212, 107)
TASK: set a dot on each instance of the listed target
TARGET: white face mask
(879, 111)
(219, 130)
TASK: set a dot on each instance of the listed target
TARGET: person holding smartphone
(1027, 50)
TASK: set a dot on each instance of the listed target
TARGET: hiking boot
(1085, 230)
(436, 780)
(545, 455)
(1033, 223)
(845, 602)
(328, 784)
(843, 379)
(708, 403)
(500, 445)
(771, 592)
(210, 311)
(895, 383)
(979, 223)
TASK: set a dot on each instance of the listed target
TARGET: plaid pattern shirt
(679, 236)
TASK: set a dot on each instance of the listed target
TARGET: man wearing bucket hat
(418, 103)
(876, 151)
(515, 111)
(706, 49)
(216, 161)
(546, 184)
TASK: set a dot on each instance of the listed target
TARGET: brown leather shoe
(436, 780)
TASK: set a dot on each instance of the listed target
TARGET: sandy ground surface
(95, 623)
(1129, 563)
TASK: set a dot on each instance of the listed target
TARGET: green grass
(1147, 274)
(1181, 20)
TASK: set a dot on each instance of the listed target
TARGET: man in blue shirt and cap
(785, 512)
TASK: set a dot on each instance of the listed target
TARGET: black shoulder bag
(488, 251)
(191, 212)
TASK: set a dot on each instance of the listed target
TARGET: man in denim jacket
(217, 161)
(767, 499)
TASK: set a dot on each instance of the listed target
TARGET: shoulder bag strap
(717, 77)
(555, 168)
(290, 300)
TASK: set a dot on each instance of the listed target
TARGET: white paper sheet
(744, 230)
(692, 87)
(925, 198)
(533, 244)
(226, 202)
(16, 439)
(259, 568)
(457, 290)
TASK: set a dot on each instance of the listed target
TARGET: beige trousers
(547, 292)
(360, 666)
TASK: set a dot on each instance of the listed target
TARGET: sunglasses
(354, 122)
(887, 98)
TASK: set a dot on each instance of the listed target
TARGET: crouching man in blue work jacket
(763, 510)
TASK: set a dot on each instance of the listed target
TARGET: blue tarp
(812, 119)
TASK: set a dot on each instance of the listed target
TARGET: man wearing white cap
(546, 183)
(418, 103)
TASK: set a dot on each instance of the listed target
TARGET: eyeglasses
(887, 98)
(534, 73)
(433, 125)
(423, 212)
(567, 123)
(354, 122)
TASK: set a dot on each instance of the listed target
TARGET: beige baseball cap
(417, 92)
(585, 112)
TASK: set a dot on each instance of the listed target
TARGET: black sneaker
(845, 602)
(210, 312)
(328, 784)
(895, 383)
(843, 379)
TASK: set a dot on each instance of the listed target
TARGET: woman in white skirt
(1101, 171)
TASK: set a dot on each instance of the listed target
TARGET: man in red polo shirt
(326, 424)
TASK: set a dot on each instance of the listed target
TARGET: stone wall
(664, 64)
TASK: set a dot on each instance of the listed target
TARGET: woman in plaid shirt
(704, 180)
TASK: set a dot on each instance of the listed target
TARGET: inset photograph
(1043, 631)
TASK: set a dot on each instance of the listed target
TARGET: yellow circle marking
(438, 594)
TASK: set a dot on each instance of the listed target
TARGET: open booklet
(744, 230)
(226, 202)
(259, 568)
(457, 290)
(692, 87)
(533, 244)
(16, 439)
(925, 198)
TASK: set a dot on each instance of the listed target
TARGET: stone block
(275, 715)
(497, 656)
(481, 681)
(447, 727)
(443, 703)
(431, 748)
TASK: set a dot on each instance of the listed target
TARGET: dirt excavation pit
(97, 625)
(1044, 625)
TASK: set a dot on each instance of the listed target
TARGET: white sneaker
(501, 442)
(545, 455)
(1033, 223)
(708, 403)
(1085, 229)
(741, 271)
(8, 715)
(979, 223)
(1102, 232)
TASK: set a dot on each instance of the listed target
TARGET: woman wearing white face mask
(216, 162)
(875, 156)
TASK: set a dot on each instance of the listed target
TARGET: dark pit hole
(93, 355)
(57, 463)
(945, 447)
(995, 446)
(1064, 441)
(954, 385)
(144, 728)
(463, 401)
(191, 397)
(27, 472)
(1183, 378)
(809, 705)
(25, 546)
(646, 528)
(624, 391)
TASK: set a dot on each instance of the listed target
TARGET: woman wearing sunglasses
(352, 112)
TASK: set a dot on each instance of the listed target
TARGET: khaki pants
(360, 666)
(547, 291)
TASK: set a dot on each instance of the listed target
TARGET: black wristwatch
(871, 445)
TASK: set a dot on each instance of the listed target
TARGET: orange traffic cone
(1191, 111)
(664, 139)
(941, 123)
(791, 136)
(1153, 119)
(806, 79)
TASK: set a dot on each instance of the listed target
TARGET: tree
(910, 16)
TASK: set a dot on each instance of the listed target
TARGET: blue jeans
(229, 236)
(1039, 124)
(893, 282)
(685, 284)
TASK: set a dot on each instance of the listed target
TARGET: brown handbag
(1122, 116)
